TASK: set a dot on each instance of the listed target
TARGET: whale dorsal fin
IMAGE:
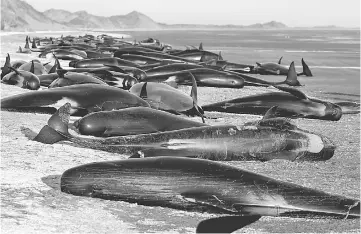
(32, 68)
(260, 65)
(306, 70)
(200, 46)
(56, 65)
(279, 61)
(220, 56)
(293, 91)
(225, 224)
(33, 44)
(61, 72)
(7, 60)
(292, 76)
(5, 69)
(143, 92)
(27, 43)
(194, 95)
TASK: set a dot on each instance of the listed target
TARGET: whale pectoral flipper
(225, 224)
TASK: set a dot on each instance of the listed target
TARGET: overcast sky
(293, 13)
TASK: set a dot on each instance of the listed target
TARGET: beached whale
(270, 138)
(291, 103)
(204, 77)
(85, 98)
(278, 69)
(204, 186)
(130, 121)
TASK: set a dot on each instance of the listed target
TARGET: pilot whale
(270, 138)
(291, 103)
(278, 69)
(129, 121)
(85, 98)
(199, 185)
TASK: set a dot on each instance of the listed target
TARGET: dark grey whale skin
(268, 139)
(203, 186)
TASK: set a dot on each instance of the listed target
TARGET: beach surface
(31, 200)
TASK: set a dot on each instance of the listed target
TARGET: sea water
(332, 55)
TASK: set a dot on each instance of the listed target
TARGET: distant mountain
(82, 19)
(269, 25)
(17, 15)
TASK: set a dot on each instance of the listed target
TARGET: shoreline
(178, 29)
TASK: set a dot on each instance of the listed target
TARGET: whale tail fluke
(306, 70)
(225, 224)
(291, 79)
(57, 128)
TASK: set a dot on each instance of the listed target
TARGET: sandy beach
(31, 200)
